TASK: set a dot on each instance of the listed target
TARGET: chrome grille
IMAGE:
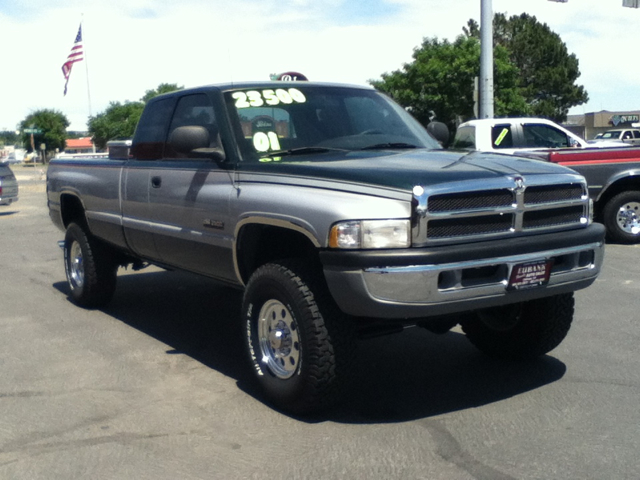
(500, 208)
(447, 228)
(552, 193)
(470, 200)
(555, 216)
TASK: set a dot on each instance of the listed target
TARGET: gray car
(8, 186)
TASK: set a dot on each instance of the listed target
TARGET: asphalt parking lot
(155, 386)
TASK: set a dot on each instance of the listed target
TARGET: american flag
(74, 56)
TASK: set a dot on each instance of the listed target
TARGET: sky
(132, 46)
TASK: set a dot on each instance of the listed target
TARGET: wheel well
(622, 185)
(259, 244)
(72, 210)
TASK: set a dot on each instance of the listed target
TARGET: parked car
(15, 156)
(629, 136)
(513, 135)
(8, 186)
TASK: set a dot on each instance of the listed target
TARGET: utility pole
(486, 59)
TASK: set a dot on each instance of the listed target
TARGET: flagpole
(86, 66)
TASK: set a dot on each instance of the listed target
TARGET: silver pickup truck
(340, 217)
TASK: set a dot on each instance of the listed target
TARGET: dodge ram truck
(340, 217)
(613, 177)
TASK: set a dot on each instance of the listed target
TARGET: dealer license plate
(530, 275)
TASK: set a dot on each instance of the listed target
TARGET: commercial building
(79, 145)
(590, 124)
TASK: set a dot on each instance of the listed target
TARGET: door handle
(156, 182)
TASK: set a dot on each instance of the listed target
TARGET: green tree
(548, 73)
(53, 125)
(440, 81)
(162, 88)
(119, 120)
(8, 137)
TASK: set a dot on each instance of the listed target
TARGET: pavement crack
(22, 394)
(450, 450)
(121, 438)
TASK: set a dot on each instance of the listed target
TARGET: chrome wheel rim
(76, 266)
(628, 219)
(279, 339)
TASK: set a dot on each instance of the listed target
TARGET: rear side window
(544, 136)
(501, 136)
(636, 134)
(465, 138)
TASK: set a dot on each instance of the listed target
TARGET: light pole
(486, 60)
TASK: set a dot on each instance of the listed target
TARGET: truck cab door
(146, 150)
(189, 192)
(136, 211)
(189, 201)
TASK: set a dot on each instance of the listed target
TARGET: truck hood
(403, 170)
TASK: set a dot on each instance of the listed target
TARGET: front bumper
(424, 282)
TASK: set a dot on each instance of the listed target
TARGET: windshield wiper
(383, 146)
(301, 151)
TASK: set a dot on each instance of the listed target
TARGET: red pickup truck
(613, 177)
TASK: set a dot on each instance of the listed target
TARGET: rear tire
(621, 216)
(522, 331)
(300, 344)
(90, 268)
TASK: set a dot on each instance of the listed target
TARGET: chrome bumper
(427, 290)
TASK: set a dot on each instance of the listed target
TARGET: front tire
(90, 269)
(522, 331)
(300, 344)
(622, 217)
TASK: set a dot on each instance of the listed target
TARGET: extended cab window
(501, 136)
(636, 134)
(148, 141)
(544, 136)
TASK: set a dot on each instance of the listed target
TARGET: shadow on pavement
(418, 374)
(415, 374)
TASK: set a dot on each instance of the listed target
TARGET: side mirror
(439, 131)
(195, 141)
(573, 143)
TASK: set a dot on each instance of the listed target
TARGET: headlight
(371, 234)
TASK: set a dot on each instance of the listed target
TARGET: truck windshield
(306, 119)
(611, 134)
